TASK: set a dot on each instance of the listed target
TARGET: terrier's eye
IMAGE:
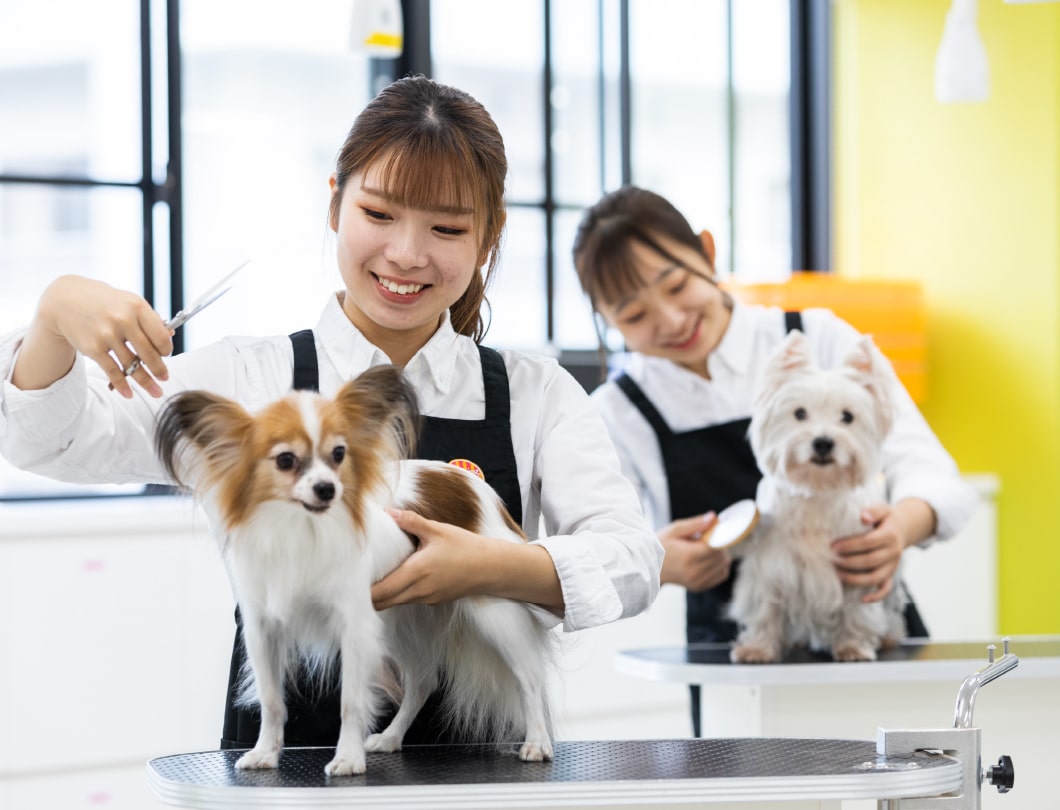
(800, 414)
(847, 417)
(286, 461)
(338, 454)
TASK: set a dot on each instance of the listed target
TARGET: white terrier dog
(817, 437)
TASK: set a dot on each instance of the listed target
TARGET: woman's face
(402, 267)
(676, 314)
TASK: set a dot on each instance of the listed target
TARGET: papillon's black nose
(823, 446)
(324, 490)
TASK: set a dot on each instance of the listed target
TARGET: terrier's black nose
(324, 490)
(823, 446)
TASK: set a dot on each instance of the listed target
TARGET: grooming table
(911, 686)
(640, 773)
(913, 660)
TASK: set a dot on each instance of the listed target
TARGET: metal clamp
(963, 742)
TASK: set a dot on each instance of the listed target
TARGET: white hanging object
(377, 28)
(962, 73)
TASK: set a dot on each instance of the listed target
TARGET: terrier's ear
(866, 365)
(792, 357)
(793, 354)
(860, 357)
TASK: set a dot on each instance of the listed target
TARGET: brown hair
(602, 249)
(436, 148)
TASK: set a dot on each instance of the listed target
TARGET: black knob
(1003, 775)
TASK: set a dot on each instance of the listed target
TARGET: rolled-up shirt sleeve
(607, 557)
(79, 431)
(37, 426)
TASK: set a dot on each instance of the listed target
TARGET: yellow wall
(966, 199)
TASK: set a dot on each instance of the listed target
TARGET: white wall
(116, 631)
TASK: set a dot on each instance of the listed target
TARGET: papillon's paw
(754, 654)
(536, 751)
(346, 765)
(853, 651)
(385, 743)
(256, 759)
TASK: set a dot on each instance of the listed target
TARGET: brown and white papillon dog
(301, 489)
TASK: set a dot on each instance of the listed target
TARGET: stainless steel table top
(611, 773)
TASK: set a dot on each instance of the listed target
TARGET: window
(702, 118)
(687, 97)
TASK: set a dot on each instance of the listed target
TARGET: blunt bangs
(422, 174)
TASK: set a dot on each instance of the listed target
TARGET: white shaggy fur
(302, 488)
(816, 435)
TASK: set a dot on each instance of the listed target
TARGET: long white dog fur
(817, 436)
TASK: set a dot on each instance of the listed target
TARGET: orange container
(893, 312)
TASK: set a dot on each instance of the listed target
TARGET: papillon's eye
(338, 454)
(847, 417)
(800, 414)
(286, 461)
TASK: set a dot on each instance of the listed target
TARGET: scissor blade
(204, 300)
(185, 315)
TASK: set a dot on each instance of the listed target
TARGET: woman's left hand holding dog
(450, 562)
(870, 560)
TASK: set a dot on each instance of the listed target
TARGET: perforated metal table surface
(611, 773)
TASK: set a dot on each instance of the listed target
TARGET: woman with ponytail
(417, 208)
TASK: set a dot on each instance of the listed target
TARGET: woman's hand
(870, 560)
(111, 327)
(689, 561)
(450, 563)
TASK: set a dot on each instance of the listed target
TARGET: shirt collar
(733, 352)
(351, 352)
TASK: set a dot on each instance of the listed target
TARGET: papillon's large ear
(792, 357)
(866, 365)
(381, 397)
(202, 423)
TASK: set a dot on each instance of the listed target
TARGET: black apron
(312, 716)
(706, 470)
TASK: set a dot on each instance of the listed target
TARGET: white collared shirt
(606, 556)
(915, 462)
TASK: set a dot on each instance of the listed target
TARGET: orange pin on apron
(470, 466)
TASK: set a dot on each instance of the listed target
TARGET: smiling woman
(403, 266)
(680, 409)
(413, 259)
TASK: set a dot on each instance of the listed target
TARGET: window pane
(495, 51)
(268, 101)
(576, 102)
(517, 297)
(46, 231)
(762, 173)
(573, 315)
(680, 124)
(70, 88)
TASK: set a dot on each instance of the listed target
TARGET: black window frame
(810, 116)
